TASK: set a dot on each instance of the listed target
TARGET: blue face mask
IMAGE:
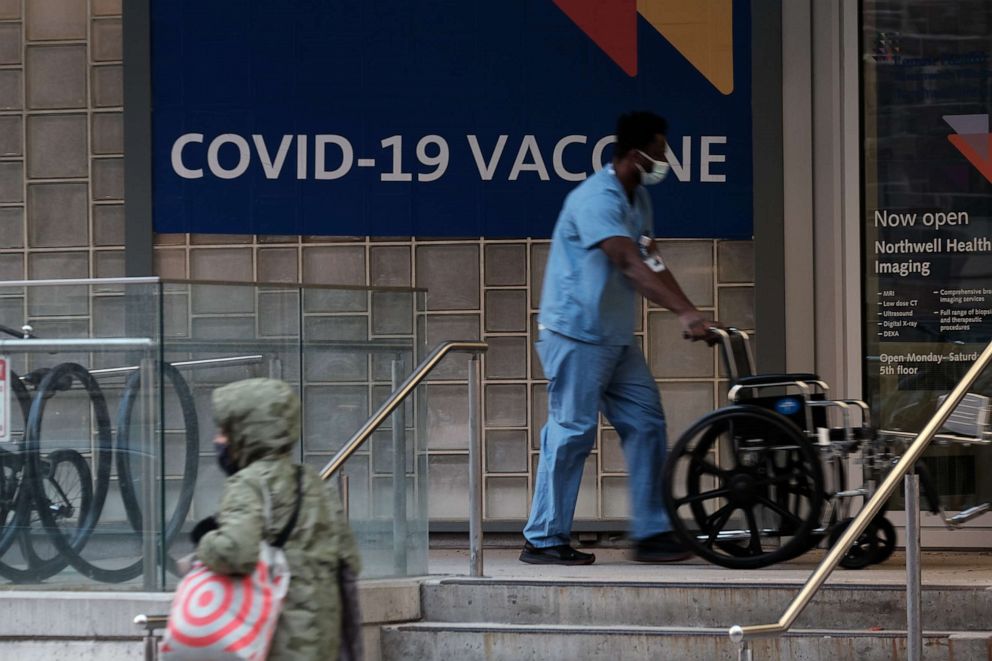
(224, 458)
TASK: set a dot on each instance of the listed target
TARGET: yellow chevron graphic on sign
(701, 30)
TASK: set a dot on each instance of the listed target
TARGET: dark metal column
(138, 257)
(769, 219)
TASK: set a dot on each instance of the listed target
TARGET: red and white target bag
(214, 616)
(220, 617)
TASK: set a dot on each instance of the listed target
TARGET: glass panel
(73, 476)
(356, 346)
(927, 291)
(217, 334)
(108, 453)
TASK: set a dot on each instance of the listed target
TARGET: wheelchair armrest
(764, 379)
(857, 434)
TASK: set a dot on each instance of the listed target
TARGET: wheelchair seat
(766, 379)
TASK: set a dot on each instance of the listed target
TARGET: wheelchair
(764, 479)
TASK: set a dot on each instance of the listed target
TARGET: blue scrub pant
(584, 379)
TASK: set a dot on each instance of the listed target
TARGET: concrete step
(681, 604)
(510, 642)
(99, 626)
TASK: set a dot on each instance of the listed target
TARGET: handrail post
(399, 476)
(149, 476)
(474, 469)
(914, 627)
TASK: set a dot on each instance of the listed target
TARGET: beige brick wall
(62, 215)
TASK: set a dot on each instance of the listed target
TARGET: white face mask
(659, 170)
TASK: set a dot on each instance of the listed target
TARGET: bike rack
(150, 495)
(396, 347)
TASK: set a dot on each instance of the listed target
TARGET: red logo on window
(971, 137)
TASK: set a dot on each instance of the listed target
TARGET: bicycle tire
(44, 568)
(12, 483)
(191, 463)
(72, 551)
(17, 527)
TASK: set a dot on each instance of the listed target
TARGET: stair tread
(683, 585)
(659, 630)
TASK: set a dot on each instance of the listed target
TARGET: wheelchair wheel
(752, 488)
(886, 539)
(872, 547)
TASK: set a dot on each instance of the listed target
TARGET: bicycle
(59, 484)
(56, 490)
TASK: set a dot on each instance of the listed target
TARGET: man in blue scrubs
(601, 257)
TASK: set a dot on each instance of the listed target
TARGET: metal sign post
(914, 627)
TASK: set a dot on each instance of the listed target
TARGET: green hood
(261, 417)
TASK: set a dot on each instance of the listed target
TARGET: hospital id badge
(649, 255)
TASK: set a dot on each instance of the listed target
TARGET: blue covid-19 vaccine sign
(440, 119)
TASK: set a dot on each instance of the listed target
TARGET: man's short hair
(636, 130)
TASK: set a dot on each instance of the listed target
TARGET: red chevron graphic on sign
(611, 24)
(982, 162)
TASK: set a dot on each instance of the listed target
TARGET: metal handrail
(399, 394)
(396, 398)
(904, 466)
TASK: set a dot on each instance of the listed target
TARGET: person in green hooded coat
(258, 421)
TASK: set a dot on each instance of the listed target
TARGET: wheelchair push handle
(714, 335)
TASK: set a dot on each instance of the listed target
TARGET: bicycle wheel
(15, 492)
(67, 494)
(70, 542)
(125, 453)
(12, 474)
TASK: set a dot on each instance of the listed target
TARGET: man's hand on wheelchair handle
(695, 327)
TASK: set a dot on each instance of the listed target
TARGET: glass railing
(91, 449)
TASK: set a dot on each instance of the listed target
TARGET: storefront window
(927, 237)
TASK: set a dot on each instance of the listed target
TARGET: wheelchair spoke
(781, 511)
(706, 495)
(802, 490)
(752, 523)
(717, 521)
(707, 467)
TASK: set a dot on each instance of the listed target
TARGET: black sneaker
(555, 555)
(663, 547)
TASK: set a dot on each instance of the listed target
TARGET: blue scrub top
(585, 296)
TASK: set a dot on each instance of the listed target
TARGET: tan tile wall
(62, 215)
